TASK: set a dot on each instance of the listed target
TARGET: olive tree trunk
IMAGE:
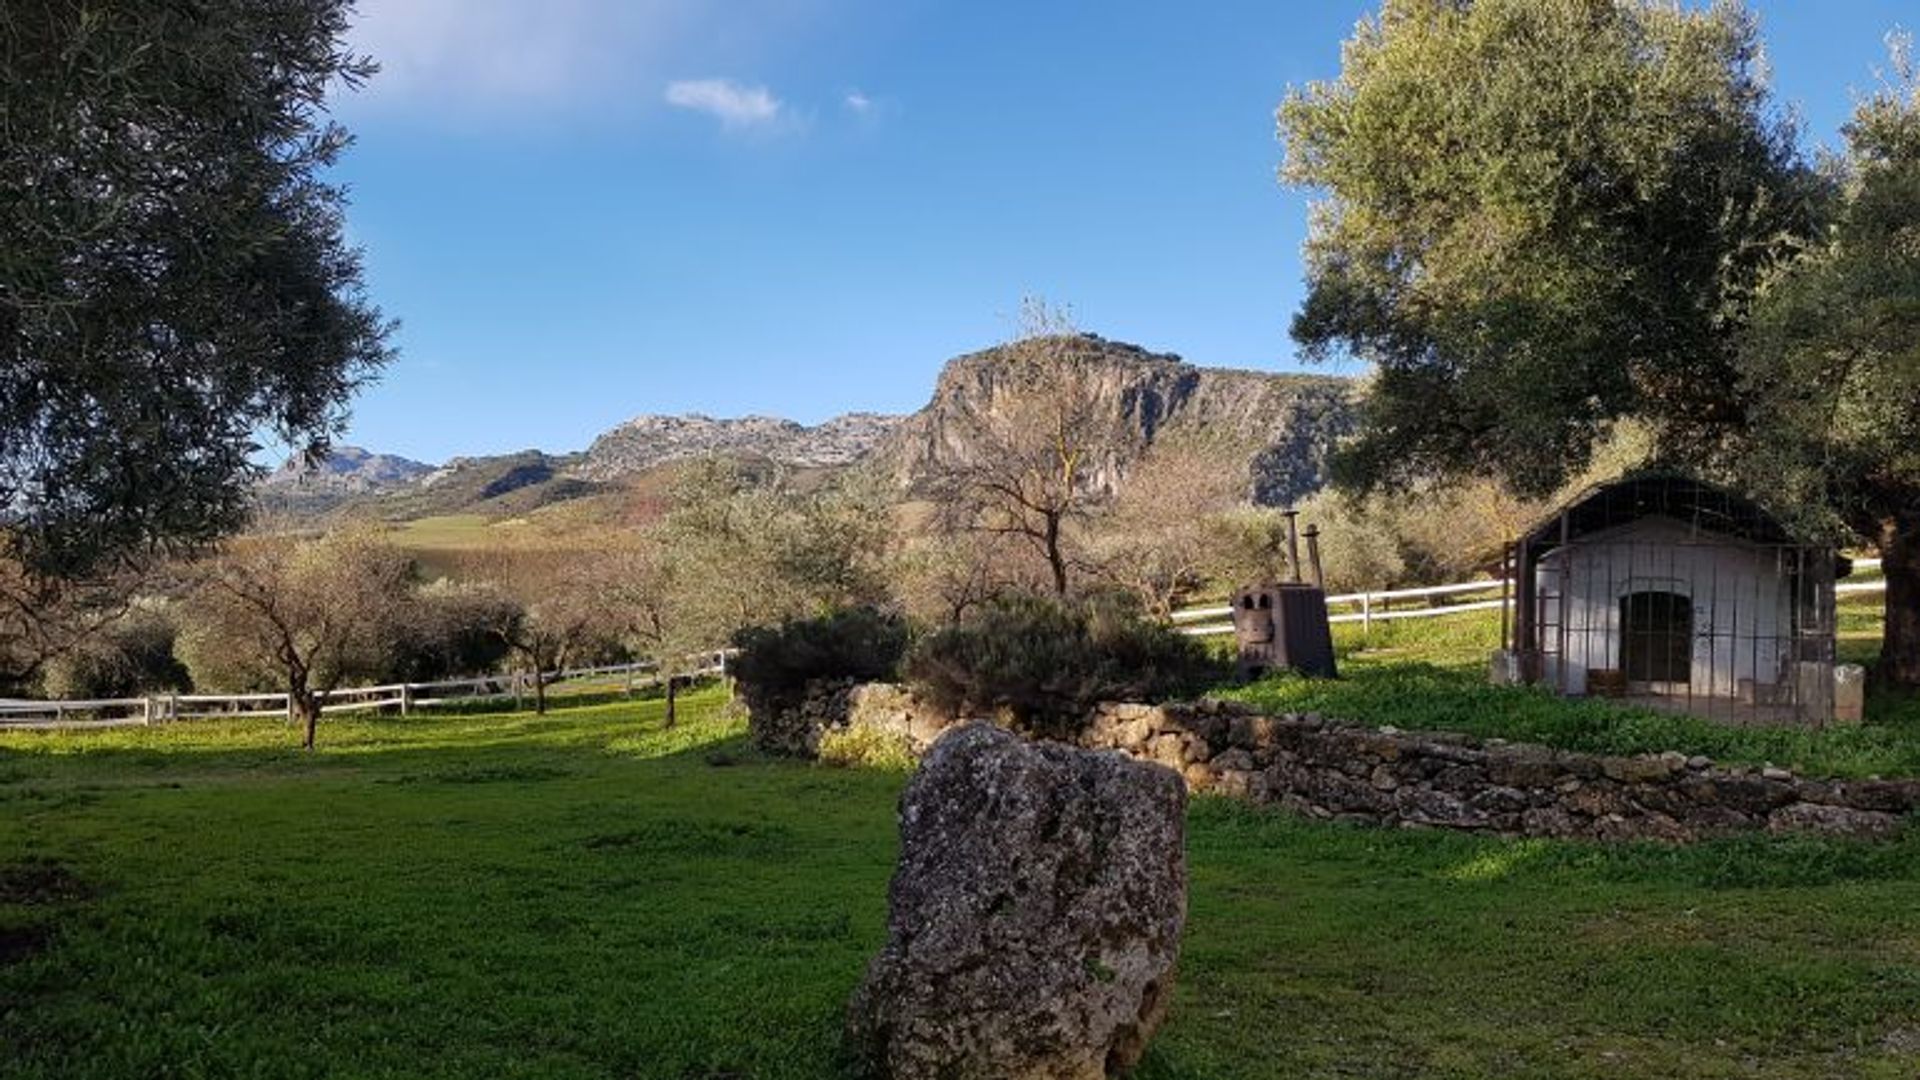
(306, 710)
(1900, 643)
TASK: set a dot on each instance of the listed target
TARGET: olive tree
(1832, 364)
(174, 282)
(305, 615)
(1160, 536)
(753, 549)
(655, 609)
(174, 278)
(553, 607)
(43, 618)
(1543, 218)
(1537, 218)
(134, 654)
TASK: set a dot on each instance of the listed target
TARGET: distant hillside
(501, 485)
(648, 441)
(356, 484)
(349, 468)
(1291, 420)
(345, 474)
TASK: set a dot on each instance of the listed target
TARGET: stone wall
(831, 704)
(1347, 772)
(1387, 777)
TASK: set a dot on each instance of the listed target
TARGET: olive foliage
(174, 280)
(1536, 218)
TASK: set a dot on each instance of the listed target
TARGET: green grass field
(1431, 675)
(587, 895)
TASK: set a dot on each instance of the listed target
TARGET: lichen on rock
(1034, 918)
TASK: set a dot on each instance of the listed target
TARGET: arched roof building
(1678, 594)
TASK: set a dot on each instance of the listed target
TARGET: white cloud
(733, 104)
(857, 102)
(495, 60)
(495, 53)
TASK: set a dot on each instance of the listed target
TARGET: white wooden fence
(30, 713)
(1376, 606)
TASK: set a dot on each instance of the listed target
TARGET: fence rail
(1374, 605)
(33, 713)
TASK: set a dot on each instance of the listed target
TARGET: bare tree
(1160, 536)
(560, 608)
(1036, 453)
(306, 613)
(647, 593)
(940, 576)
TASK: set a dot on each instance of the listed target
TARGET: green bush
(775, 664)
(451, 632)
(1043, 664)
(132, 655)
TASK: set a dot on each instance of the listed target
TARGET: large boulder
(1034, 918)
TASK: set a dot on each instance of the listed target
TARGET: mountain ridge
(1289, 422)
(648, 440)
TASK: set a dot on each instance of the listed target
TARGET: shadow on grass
(1423, 696)
(1233, 831)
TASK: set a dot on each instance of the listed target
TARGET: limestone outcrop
(1034, 918)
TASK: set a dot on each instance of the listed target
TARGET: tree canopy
(174, 282)
(1831, 365)
(1539, 217)
(1542, 218)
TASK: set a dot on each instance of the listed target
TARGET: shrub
(452, 632)
(133, 655)
(776, 663)
(866, 746)
(1043, 664)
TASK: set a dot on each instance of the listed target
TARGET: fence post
(1366, 615)
(629, 692)
(146, 711)
(406, 698)
(173, 707)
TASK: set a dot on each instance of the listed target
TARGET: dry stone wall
(1388, 777)
(1349, 772)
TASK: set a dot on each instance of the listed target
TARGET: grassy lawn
(589, 895)
(1431, 674)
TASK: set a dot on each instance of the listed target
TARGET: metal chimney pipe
(1293, 544)
(1313, 556)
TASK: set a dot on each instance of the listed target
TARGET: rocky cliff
(1289, 422)
(647, 441)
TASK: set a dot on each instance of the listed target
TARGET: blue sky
(583, 210)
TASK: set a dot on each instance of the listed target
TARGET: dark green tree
(1545, 216)
(1539, 217)
(1832, 363)
(174, 283)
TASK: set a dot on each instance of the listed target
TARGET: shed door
(1656, 637)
